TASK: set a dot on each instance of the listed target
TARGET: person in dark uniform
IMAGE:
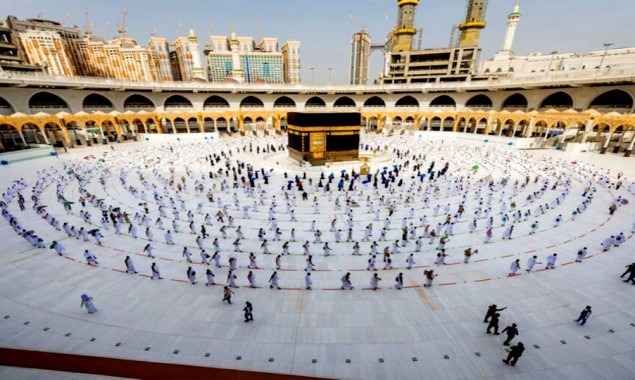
(491, 310)
(493, 324)
(584, 315)
(514, 354)
(511, 331)
(630, 270)
(248, 309)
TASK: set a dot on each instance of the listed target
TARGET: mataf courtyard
(404, 262)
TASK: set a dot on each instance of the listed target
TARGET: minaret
(197, 66)
(512, 24)
(238, 74)
(474, 22)
(404, 30)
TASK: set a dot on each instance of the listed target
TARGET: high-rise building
(448, 64)
(218, 59)
(189, 56)
(46, 49)
(174, 64)
(120, 58)
(291, 62)
(11, 56)
(241, 60)
(160, 59)
(66, 34)
(360, 57)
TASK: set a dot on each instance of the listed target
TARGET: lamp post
(606, 49)
(312, 68)
(330, 69)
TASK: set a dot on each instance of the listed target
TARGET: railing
(616, 74)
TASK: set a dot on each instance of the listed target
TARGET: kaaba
(320, 138)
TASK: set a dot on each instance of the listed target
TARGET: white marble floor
(435, 332)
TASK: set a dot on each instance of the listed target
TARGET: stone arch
(10, 139)
(315, 102)
(407, 101)
(436, 124)
(177, 101)
(215, 101)
(284, 102)
(251, 102)
(344, 101)
(137, 102)
(180, 125)
(222, 125)
(194, 125)
(479, 101)
(557, 100)
(97, 101)
(612, 100)
(374, 101)
(516, 101)
(443, 101)
(5, 107)
(371, 123)
(33, 134)
(208, 125)
(447, 125)
(44, 100)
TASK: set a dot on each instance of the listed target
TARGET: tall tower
(512, 24)
(474, 22)
(404, 30)
(360, 57)
(238, 73)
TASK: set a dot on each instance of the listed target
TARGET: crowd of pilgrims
(236, 202)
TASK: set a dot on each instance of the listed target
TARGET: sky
(325, 27)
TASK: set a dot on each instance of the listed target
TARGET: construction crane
(122, 28)
(87, 30)
(67, 16)
(359, 26)
(420, 39)
(453, 40)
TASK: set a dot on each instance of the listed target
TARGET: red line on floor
(569, 263)
(423, 266)
(69, 258)
(118, 270)
(568, 241)
(593, 230)
(483, 280)
(332, 289)
(447, 283)
(583, 235)
(502, 257)
(532, 251)
(478, 261)
(551, 246)
(118, 250)
(124, 368)
(175, 280)
(291, 288)
(411, 287)
(453, 264)
(166, 259)
(145, 275)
